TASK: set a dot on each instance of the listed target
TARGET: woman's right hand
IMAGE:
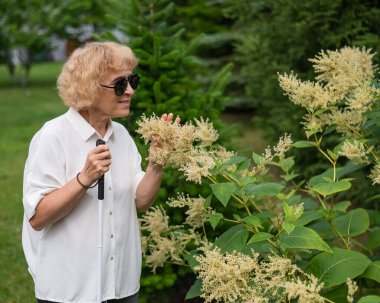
(97, 163)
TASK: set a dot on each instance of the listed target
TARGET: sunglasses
(121, 84)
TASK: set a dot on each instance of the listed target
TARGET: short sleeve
(44, 170)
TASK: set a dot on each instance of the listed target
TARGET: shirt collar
(85, 130)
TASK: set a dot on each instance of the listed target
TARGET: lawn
(23, 111)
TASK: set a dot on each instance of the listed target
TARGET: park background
(210, 58)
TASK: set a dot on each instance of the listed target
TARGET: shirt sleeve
(44, 170)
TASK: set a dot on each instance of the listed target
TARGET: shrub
(255, 238)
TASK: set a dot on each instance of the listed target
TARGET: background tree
(276, 36)
(170, 82)
(28, 26)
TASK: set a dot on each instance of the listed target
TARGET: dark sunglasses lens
(134, 81)
(120, 86)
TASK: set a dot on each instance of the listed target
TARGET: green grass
(23, 110)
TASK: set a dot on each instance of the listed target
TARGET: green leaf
(264, 189)
(195, 290)
(342, 206)
(287, 164)
(189, 257)
(234, 160)
(308, 216)
(374, 239)
(288, 227)
(373, 271)
(288, 210)
(369, 299)
(304, 144)
(257, 158)
(354, 223)
(252, 221)
(289, 177)
(214, 219)
(233, 239)
(348, 168)
(260, 236)
(337, 294)
(207, 201)
(334, 269)
(332, 154)
(223, 191)
(329, 188)
(303, 238)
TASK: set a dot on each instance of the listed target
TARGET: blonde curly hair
(78, 82)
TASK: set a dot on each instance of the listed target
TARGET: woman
(60, 200)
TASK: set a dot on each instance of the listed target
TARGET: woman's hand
(97, 163)
(168, 118)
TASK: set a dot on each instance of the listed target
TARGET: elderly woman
(61, 221)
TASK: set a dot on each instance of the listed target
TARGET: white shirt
(62, 258)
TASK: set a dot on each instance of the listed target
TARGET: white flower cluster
(186, 147)
(235, 277)
(161, 242)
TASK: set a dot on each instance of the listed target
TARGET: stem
(322, 152)
(339, 234)
(321, 201)
(229, 220)
(204, 230)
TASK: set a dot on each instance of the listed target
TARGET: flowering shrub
(259, 237)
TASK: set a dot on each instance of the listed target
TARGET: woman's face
(108, 103)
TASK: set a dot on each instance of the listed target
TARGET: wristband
(92, 186)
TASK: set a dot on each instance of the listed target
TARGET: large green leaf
(303, 238)
(264, 189)
(373, 271)
(308, 216)
(223, 191)
(195, 290)
(374, 239)
(329, 188)
(369, 299)
(354, 223)
(348, 168)
(233, 239)
(260, 236)
(334, 269)
(337, 294)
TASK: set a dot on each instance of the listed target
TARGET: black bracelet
(92, 186)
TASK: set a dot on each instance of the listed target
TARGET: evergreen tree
(170, 82)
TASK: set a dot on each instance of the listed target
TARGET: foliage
(28, 27)
(258, 239)
(169, 79)
(276, 36)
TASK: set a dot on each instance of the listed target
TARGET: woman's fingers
(169, 118)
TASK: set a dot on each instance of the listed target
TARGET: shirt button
(111, 258)
(111, 236)
(109, 188)
(110, 212)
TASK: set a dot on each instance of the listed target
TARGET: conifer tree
(170, 82)
(169, 71)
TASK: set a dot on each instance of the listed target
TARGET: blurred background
(213, 58)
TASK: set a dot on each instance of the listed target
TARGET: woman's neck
(98, 121)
